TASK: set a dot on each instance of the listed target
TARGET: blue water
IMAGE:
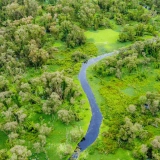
(96, 118)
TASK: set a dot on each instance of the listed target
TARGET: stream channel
(96, 119)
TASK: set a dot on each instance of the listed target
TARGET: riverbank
(113, 96)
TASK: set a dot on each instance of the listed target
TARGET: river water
(96, 118)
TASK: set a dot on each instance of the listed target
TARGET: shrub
(77, 56)
(131, 108)
(141, 152)
(76, 134)
(65, 116)
(64, 150)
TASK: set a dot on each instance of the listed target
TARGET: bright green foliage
(131, 33)
(135, 56)
(129, 116)
(38, 97)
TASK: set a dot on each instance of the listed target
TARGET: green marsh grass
(105, 40)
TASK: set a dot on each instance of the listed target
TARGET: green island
(44, 112)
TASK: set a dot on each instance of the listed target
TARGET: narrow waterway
(96, 118)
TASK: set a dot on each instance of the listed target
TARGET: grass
(59, 44)
(3, 138)
(105, 40)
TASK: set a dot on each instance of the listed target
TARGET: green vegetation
(105, 40)
(43, 111)
(130, 102)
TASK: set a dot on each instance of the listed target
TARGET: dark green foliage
(72, 34)
(157, 77)
(155, 5)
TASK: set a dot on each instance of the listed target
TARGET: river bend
(96, 118)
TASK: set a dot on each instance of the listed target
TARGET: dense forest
(44, 112)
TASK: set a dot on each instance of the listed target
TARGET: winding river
(96, 118)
